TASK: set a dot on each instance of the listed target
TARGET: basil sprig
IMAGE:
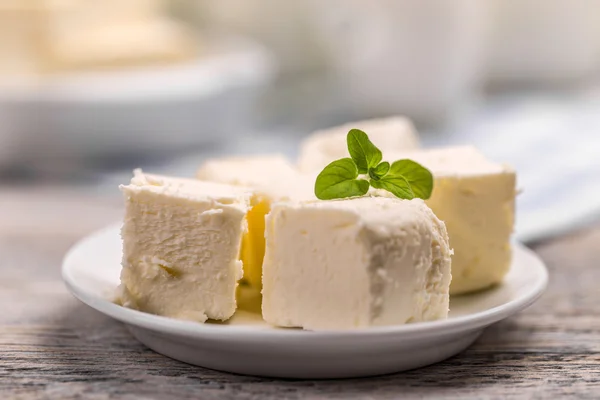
(350, 177)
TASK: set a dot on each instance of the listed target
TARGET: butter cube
(354, 263)
(181, 244)
(475, 197)
(263, 171)
(272, 178)
(327, 145)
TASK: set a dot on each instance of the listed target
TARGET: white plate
(246, 345)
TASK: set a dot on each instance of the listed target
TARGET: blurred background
(91, 89)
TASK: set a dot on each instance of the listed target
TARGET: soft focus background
(91, 89)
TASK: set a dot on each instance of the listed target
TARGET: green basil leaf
(396, 185)
(379, 171)
(338, 180)
(419, 177)
(364, 153)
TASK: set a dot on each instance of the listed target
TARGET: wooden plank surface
(52, 346)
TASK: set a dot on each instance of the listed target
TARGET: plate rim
(191, 329)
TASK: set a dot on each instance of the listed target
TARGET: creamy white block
(263, 171)
(272, 178)
(181, 245)
(354, 263)
(324, 146)
(475, 197)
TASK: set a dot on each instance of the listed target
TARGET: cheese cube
(475, 197)
(325, 146)
(181, 244)
(272, 178)
(354, 263)
(262, 171)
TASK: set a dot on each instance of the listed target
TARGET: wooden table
(53, 346)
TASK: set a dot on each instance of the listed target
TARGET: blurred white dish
(136, 110)
(247, 345)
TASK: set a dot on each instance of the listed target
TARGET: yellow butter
(253, 242)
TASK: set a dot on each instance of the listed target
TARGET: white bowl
(150, 109)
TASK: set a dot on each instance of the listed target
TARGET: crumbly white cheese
(252, 171)
(181, 243)
(325, 146)
(354, 263)
(272, 178)
(475, 197)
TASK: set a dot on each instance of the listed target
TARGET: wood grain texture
(52, 346)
